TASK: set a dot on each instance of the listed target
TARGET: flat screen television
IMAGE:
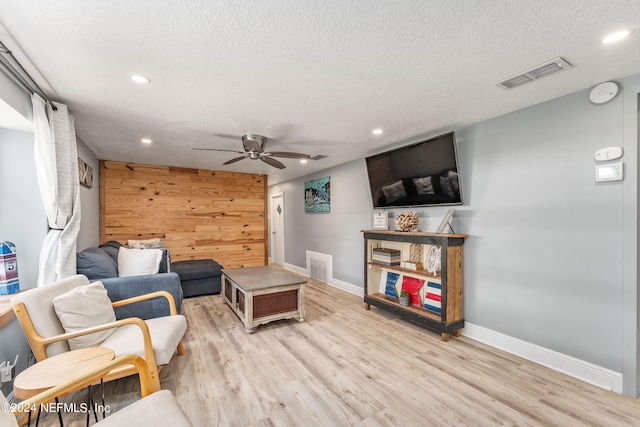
(420, 174)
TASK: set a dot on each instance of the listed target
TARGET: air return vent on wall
(535, 73)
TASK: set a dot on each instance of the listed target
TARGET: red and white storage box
(9, 283)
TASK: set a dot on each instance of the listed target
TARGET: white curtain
(56, 161)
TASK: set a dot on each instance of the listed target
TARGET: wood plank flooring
(345, 366)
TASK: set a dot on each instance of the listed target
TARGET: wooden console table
(260, 295)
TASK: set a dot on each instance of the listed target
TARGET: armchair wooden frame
(39, 344)
(126, 362)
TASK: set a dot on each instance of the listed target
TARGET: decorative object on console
(433, 297)
(434, 256)
(388, 282)
(407, 221)
(380, 220)
(446, 222)
(386, 256)
(412, 285)
(404, 298)
(317, 195)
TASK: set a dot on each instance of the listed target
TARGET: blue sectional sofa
(101, 263)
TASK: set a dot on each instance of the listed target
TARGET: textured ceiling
(313, 76)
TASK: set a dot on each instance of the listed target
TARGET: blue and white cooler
(9, 283)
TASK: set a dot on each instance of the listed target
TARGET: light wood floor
(348, 366)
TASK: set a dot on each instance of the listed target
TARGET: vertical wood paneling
(198, 213)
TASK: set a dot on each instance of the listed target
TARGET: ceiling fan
(254, 148)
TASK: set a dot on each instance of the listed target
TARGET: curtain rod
(21, 75)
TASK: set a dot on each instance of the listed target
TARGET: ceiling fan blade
(237, 159)
(272, 162)
(288, 155)
(218, 149)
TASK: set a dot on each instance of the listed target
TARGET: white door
(277, 228)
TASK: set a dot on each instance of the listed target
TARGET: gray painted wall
(336, 233)
(23, 222)
(89, 234)
(22, 217)
(544, 259)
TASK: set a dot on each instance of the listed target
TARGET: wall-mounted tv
(420, 174)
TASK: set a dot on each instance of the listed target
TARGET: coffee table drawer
(275, 303)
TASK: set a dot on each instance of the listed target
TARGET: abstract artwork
(85, 173)
(316, 195)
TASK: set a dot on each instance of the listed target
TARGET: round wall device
(603, 93)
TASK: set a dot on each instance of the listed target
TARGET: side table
(57, 369)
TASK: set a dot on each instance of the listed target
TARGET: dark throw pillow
(96, 264)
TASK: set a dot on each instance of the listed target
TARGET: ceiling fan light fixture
(377, 132)
(146, 140)
(303, 160)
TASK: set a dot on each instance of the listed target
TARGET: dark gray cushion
(111, 247)
(196, 269)
(96, 264)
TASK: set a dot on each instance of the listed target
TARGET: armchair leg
(180, 348)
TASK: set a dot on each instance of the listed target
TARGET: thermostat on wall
(610, 172)
(609, 153)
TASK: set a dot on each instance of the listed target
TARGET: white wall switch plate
(609, 153)
(609, 172)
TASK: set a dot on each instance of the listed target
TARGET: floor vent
(318, 265)
(535, 73)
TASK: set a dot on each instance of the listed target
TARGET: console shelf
(448, 280)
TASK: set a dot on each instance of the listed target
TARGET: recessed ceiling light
(139, 78)
(617, 36)
(146, 140)
(377, 131)
(303, 160)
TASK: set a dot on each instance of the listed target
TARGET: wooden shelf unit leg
(367, 306)
(457, 333)
(445, 337)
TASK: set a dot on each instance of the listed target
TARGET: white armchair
(156, 408)
(156, 340)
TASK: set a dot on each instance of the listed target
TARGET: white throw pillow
(137, 262)
(82, 308)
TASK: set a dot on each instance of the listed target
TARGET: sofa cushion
(84, 307)
(196, 269)
(138, 262)
(166, 333)
(111, 247)
(157, 409)
(96, 264)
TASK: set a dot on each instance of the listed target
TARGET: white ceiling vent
(535, 73)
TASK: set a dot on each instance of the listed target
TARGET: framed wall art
(85, 173)
(317, 195)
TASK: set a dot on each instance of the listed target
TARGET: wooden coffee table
(260, 295)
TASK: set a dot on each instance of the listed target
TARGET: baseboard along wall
(577, 368)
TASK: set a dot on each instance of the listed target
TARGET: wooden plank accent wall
(198, 213)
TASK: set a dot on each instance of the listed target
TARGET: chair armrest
(172, 303)
(121, 288)
(147, 385)
(149, 355)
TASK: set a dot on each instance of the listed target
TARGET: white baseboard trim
(580, 369)
(336, 283)
(577, 368)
